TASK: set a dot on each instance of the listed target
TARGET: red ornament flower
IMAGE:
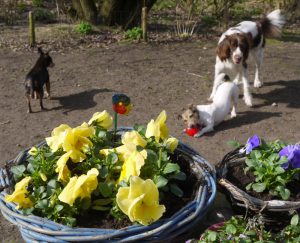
(121, 104)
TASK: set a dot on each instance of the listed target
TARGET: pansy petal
(146, 215)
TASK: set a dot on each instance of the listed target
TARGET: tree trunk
(86, 10)
(77, 6)
(292, 9)
(126, 13)
(89, 10)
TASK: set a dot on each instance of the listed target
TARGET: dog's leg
(41, 102)
(237, 79)
(28, 103)
(48, 90)
(247, 94)
(258, 57)
(206, 129)
(235, 97)
(219, 67)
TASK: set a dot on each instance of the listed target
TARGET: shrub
(83, 28)
(134, 33)
(37, 3)
(43, 15)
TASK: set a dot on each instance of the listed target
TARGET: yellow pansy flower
(123, 151)
(57, 137)
(171, 144)
(132, 166)
(33, 151)
(140, 201)
(135, 138)
(19, 196)
(77, 141)
(158, 128)
(103, 119)
(62, 168)
(79, 187)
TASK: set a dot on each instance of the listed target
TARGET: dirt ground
(157, 77)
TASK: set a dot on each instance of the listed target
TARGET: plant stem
(116, 124)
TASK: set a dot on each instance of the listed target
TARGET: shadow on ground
(80, 101)
(286, 93)
(244, 119)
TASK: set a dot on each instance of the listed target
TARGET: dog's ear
(191, 106)
(223, 49)
(40, 50)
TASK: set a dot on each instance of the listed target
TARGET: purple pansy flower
(252, 143)
(292, 152)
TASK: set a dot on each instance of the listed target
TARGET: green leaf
(18, 171)
(151, 156)
(112, 158)
(85, 203)
(248, 187)
(103, 172)
(295, 220)
(181, 176)
(52, 184)
(59, 207)
(212, 236)
(230, 229)
(255, 154)
(51, 187)
(279, 170)
(170, 168)
(69, 221)
(160, 181)
(251, 162)
(42, 204)
(101, 208)
(176, 190)
(283, 159)
(139, 128)
(105, 189)
(273, 157)
(259, 187)
(233, 143)
(102, 201)
(285, 194)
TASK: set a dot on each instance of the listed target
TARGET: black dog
(37, 78)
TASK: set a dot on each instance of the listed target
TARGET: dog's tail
(272, 24)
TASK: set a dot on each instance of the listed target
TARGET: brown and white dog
(235, 45)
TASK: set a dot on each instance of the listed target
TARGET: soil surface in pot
(237, 176)
(96, 219)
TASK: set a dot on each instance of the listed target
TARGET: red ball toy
(191, 131)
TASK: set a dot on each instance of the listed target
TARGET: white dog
(235, 45)
(208, 116)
